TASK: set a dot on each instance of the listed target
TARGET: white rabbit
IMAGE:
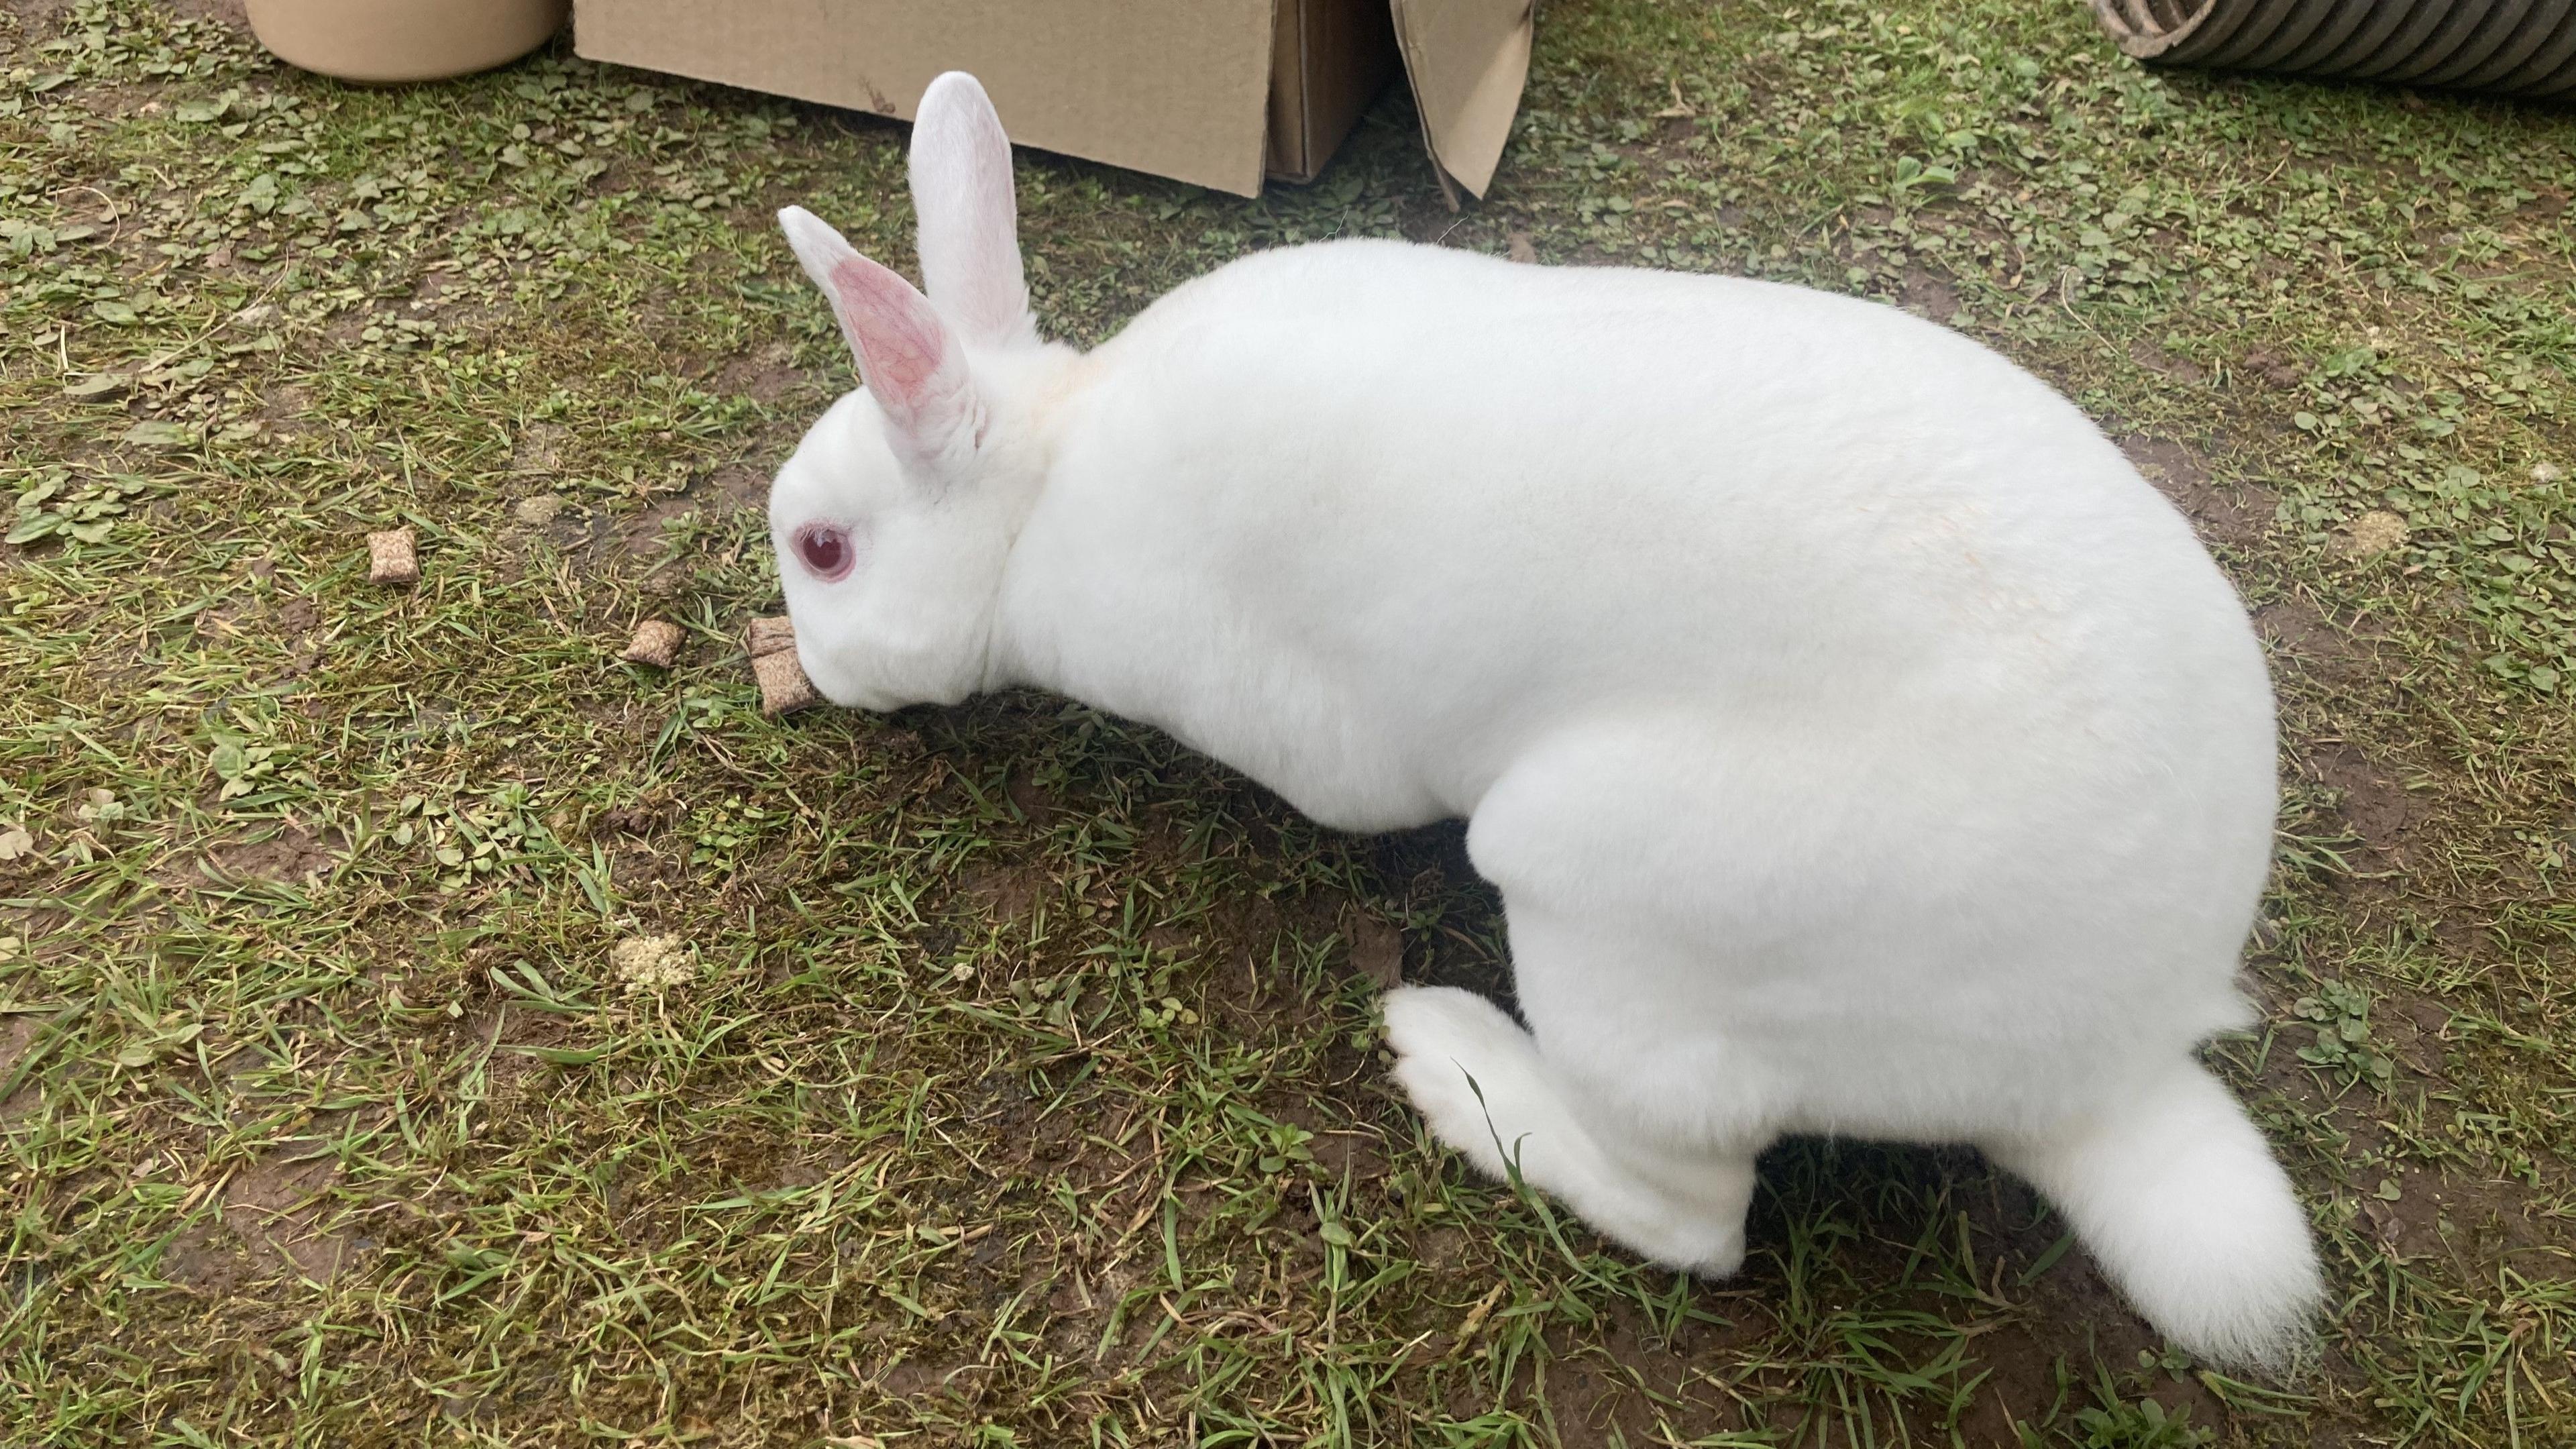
(1859, 744)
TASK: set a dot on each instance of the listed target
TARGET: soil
(1929, 294)
(765, 376)
(1376, 950)
(2383, 813)
(1008, 893)
(2179, 474)
(291, 855)
(18, 1035)
(271, 1222)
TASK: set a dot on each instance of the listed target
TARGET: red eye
(825, 548)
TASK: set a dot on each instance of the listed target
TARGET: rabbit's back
(1436, 502)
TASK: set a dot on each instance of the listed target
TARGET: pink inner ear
(898, 336)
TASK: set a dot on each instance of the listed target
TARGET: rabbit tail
(2182, 1204)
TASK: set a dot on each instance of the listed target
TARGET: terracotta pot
(382, 41)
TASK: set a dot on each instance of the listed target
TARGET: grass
(1006, 1075)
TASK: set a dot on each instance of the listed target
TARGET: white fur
(1859, 744)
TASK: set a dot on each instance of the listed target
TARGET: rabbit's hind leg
(1479, 1082)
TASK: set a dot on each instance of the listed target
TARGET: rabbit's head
(894, 518)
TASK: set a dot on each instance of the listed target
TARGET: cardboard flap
(1468, 60)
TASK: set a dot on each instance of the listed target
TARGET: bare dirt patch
(2183, 478)
(2385, 814)
(292, 855)
(1007, 892)
(2155, 359)
(1929, 294)
(1376, 950)
(235, 13)
(34, 13)
(2476, 1226)
(2265, 365)
(275, 1206)
(740, 490)
(18, 1034)
(271, 1223)
(1031, 798)
(765, 376)
(2300, 637)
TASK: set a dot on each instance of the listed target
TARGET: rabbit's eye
(825, 548)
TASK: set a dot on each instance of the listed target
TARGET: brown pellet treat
(393, 558)
(783, 685)
(769, 636)
(656, 642)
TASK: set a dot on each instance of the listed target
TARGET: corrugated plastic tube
(2501, 47)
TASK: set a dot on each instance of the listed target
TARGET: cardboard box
(1217, 92)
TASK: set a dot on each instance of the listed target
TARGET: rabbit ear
(910, 362)
(961, 190)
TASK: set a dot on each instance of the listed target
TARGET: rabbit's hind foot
(1479, 1082)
